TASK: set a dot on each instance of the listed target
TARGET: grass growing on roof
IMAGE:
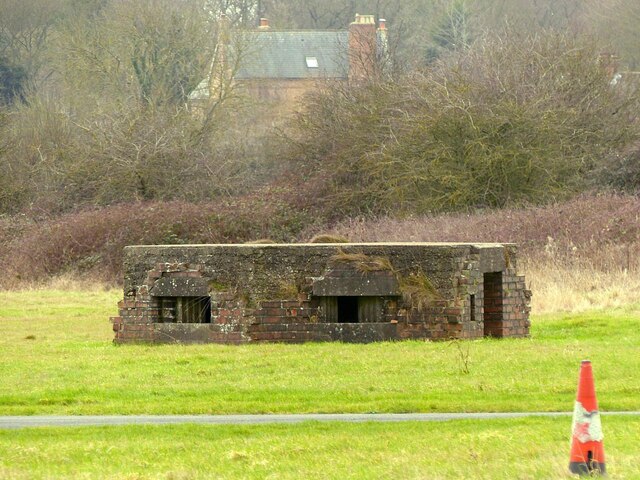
(532, 448)
(328, 238)
(362, 262)
(56, 356)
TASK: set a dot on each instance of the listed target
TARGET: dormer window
(312, 62)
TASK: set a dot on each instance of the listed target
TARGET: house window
(312, 62)
(184, 309)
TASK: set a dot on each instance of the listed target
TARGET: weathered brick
(271, 304)
(269, 319)
(502, 298)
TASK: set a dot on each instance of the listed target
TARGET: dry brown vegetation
(90, 243)
(580, 225)
(579, 254)
(576, 255)
(363, 263)
(324, 238)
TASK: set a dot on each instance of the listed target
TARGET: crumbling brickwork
(321, 292)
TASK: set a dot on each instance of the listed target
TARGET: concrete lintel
(180, 287)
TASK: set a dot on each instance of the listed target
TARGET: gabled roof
(294, 55)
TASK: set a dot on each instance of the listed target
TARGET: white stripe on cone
(586, 425)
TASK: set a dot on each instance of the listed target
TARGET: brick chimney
(264, 24)
(362, 48)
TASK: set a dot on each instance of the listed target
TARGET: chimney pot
(364, 20)
(382, 24)
(264, 24)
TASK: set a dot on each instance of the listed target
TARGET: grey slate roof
(282, 55)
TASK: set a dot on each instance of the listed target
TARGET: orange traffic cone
(587, 451)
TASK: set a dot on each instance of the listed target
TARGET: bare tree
(241, 13)
(151, 50)
(531, 15)
(453, 31)
(25, 28)
(117, 125)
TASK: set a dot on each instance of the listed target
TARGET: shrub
(91, 242)
(509, 121)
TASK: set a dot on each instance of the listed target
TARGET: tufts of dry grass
(325, 238)
(261, 241)
(363, 263)
(586, 221)
(417, 290)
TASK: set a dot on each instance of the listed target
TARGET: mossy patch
(218, 286)
(288, 290)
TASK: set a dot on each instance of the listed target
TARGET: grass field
(534, 448)
(56, 356)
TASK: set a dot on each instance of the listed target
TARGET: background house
(278, 67)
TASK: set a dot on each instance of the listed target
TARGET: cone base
(581, 468)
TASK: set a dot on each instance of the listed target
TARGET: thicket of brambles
(484, 104)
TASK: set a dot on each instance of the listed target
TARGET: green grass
(56, 356)
(533, 448)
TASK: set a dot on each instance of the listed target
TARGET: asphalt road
(13, 422)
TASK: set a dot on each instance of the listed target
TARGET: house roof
(295, 55)
(271, 54)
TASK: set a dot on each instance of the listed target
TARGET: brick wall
(278, 293)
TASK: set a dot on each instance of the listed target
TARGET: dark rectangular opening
(352, 309)
(493, 306)
(184, 309)
(347, 309)
(472, 308)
